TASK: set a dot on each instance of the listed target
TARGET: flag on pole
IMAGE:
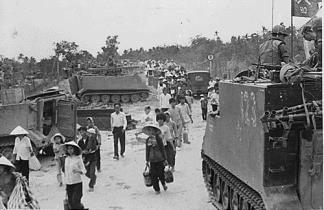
(304, 8)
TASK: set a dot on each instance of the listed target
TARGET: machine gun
(292, 115)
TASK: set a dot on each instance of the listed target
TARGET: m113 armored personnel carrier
(100, 86)
(264, 148)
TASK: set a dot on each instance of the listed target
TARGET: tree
(66, 49)
(110, 51)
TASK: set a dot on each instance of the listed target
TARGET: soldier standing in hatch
(274, 50)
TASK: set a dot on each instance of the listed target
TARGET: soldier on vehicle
(274, 51)
(313, 32)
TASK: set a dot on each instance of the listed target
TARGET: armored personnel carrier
(42, 115)
(263, 150)
(108, 85)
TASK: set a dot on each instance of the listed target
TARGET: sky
(32, 26)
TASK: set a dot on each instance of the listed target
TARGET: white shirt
(118, 120)
(214, 98)
(185, 112)
(148, 118)
(164, 100)
(166, 134)
(73, 163)
(22, 148)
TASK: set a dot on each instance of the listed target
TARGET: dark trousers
(91, 173)
(164, 109)
(119, 135)
(157, 174)
(74, 193)
(98, 159)
(22, 166)
(204, 113)
(170, 154)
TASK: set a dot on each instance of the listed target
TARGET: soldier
(273, 51)
(314, 32)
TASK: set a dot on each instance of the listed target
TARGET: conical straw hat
(6, 162)
(19, 131)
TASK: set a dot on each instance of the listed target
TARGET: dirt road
(120, 184)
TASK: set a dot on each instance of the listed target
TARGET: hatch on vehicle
(66, 118)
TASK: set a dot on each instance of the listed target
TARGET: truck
(42, 115)
(198, 81)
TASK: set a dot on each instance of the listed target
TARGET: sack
(168, 174)
(34, 163)
(147, 177)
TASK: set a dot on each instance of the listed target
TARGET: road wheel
(95, 99)
(105, 98)
(8, 152)
(234, 201)
(115, 98)
(217, 188)
(225, 197)
(85, 99)
(135, 97)
(125, 98)
(144, 95)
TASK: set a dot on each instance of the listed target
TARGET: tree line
(229, 57)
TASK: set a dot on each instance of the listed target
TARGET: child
(186, 114)
(74, 168)
(157, 111)
(148, 117)
(166, 138)
(171, 145)
(58, 140)
(203, 105)
(189, 99)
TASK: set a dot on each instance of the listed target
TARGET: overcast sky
(31, 26)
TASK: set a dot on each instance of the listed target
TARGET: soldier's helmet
(317, 24)
(279, 29)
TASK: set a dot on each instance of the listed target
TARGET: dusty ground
(120, 184)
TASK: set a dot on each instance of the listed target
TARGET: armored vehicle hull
(42, 115)
(109, 89)
(253, 164)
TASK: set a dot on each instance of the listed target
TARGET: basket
(168, 175)
(147, 177)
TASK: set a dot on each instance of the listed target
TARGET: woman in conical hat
(151, 130)
(22, 151)
(19, 131)
(14, 188)
(74, 168)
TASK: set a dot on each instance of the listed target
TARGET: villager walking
(22, 151)
(118, 124)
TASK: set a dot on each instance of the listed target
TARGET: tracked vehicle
(107, 85)
(264, 148)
